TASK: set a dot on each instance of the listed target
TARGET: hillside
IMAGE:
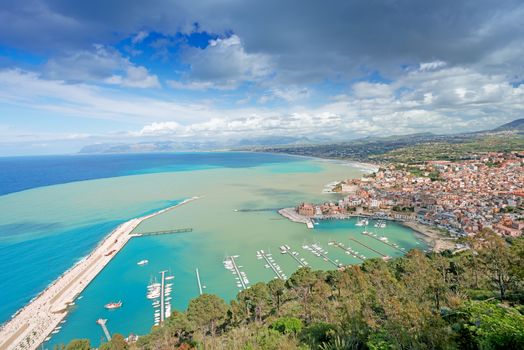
(515, 126)
(471, 300)
(416, 147)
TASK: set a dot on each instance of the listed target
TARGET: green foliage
(117, 343)
(287, 325)
(79, 344)
(317, 334)
(489, 325)
(468, 300)
(207, 311)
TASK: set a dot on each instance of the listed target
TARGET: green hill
(516, 126)
(471, 300)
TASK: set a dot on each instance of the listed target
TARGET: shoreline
(366, 167)
(429, 234)
(33, 323)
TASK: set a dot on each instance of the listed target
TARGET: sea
(55, 209)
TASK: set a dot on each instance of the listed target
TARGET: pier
(293, 254)
(318, 251)
(386, 243)
(348, 251)
(102, 323)
(231, 265)
(164, 232)
(162, 296)
(32, 324)
(198, 280)
(368, 247)
(255, 210)
(271, 263)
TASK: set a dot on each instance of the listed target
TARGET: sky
(76, 73)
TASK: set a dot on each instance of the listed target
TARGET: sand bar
(30, 326)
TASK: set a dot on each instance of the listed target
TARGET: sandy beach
(32, 324)
(432, 236)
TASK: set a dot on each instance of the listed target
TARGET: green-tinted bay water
(218, 231)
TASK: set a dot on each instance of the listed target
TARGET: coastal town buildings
(459, 197)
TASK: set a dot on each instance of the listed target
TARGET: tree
(117, 342)
(277, 288)
(301, 281)
(489, 325)
(498, 260)
(207, 311)
(79, 344)
(255, 300)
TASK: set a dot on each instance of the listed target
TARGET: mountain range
(391, 142)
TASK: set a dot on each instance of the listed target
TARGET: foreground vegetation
(470, 300)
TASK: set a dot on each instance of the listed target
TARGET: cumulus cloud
(224, 63)
(137, 77)
(304, 42)
(101, 63)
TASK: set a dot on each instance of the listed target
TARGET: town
(459, 198)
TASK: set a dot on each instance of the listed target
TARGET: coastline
(33, 323)
(431, 235)
(366, 167)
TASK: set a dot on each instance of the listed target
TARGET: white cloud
(434, 65)
(100, 64)
(365, 89)
(137, 77)
(449, 99)
(223, 64)
(139, 37)
(289, 94)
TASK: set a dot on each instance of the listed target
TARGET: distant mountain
(516, 126)
(186, 145)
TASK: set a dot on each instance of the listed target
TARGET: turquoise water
(63, 222)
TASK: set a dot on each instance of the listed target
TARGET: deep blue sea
(22, 173)
(40, 226)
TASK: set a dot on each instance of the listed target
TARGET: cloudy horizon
(74, 74)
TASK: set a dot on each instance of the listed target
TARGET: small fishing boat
(112, 306)
(142, 262)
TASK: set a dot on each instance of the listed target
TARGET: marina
(384, 241)
(368, 247)
(160, 293)
(37, 320)
(318, 251)
(285, 249)
(240, 276)
(270, 263)
(348, 250)
(222, 233)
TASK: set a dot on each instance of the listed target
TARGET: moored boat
(112, 306)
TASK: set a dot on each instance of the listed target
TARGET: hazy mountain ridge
(183, 145)
(515, 126)
(373, 144)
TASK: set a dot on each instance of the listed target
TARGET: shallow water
(218, 231)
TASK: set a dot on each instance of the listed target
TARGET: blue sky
(80, 73)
